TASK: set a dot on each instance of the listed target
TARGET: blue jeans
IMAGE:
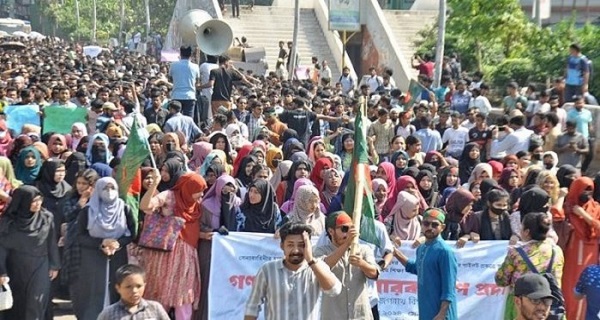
(188, 107)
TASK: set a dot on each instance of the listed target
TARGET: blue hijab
(28, 175)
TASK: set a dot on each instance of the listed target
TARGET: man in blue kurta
(435, 267)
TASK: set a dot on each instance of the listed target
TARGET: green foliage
(107, 17)
(497, 38)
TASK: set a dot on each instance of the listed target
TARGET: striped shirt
(287, 294)
(147, 309)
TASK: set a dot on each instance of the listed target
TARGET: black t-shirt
(299, 121)
(480, 136)
(223, 86)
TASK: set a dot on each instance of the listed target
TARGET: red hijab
(592, 207)
(390, 178)
(244, 151)
(401, 185)
(315, 174)
(188, 208)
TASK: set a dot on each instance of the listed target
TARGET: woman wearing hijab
(57, 146)
(7, 182)
(235, 136)
(173, 277)
(404, 183)
(493, 223)
(380, 194)
(28, 165)
(331, 186)
(244, 174)
(83, 144)
(78, 131)
(549, 183)
(74, 164)
(200, 151)
(400, 161)
(583, 246)
(220, 208)
(480, 172)
(427, 186)
(213, 172)
(307, 210)
(53, 187)
(566, 174)
(480, 190)
(292, 146)
(316, 149)
(97, 150)
(43, 149)
(29, 254)
(436, 159)
(105, 227)
(170, 171)
(259, 209)
(299, 169)
(468, 160)
(274, 158)
(346, 150)
(20, 142)
(5, 138)
(385, 171)
(317, 173)
(220, 141)
(242, 153)
(538, 200)
(215, 157)
(448, 178)
(287, 206)
(510, 179)
(458, 209)
(280, 173)
(404, 217)
(102, 169)
(170, 142)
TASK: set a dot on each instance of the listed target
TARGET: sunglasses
(433, 224)
(344, 229)
(546, 301)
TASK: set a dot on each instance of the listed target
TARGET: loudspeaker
(212, 36)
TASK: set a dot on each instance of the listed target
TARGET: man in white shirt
(374, 81)
(480, 102)
(325, 74)
(539, 106)
(348, 83)
(206, 93)
(516, 140)
(455, 137)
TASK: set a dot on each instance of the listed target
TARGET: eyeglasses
(344, 229)
(433, 224)
(546, 301)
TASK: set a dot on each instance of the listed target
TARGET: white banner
(344, 15)
(237, 257)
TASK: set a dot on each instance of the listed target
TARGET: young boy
(130, 284)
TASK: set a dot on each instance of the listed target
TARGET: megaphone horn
(212, 36)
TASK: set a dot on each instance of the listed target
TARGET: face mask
(548, 166)
(109, 195)
(536, 157)
(497, 211)
(170, 146)
(584, 197)
(98, 154)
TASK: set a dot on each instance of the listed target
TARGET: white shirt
(456, 139)
(205, 70)
(513, 142)
(374, 82)
(482, 103)
(325, 73)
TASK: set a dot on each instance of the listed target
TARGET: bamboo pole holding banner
(360, 179)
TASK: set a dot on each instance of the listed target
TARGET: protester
(533, 297)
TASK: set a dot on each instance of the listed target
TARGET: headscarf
(272, 153)
(242, 153)
(45, 180)
(24, 174)
(176, 155)
(173, 137)
(102, 169)
(401, 184)
(176, 170)
(281, 172)
(466, 164)
(36, 224)
(244, 178)
(287, 135)
(580, 226)
(114, 132)
(236, 140)
(22, 141)
(299, 156)
(213, 199)
(428, 195)
(75, 163)
(497, 168)
(53, 139)
(259, 144)
(505, 177)
(187, 207)
(412, 172)
(287, 206)
(563, 172)
(291, 177)
(531, 177)
(442, 184)
(480, 169)
(7, 170)
(406, 223)
(290, 146)
(510, 158)
(213, 140)
(208, 161)
(537, 201)
(375, 184)
(260, 217)
(390, 178)
(104, 138)
(299, 212)
(429, 157)
(445, 195)
(153, 128)
(311, 148)
(315, 174)
(554, 156)
(81, 127)
(82, 147)
(395, 156)
(106, 220)
(6, 140)
(43, 149)
(199, 152)
(456, 203)
(256, 151)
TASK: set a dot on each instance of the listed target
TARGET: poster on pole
(344, 15)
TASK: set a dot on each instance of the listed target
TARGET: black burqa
(534, 199)
(74, 163)
(28, 252)
(176, 170)
(466, 164)
(260, 217)
(52, 191)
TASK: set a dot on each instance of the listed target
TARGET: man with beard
(533, 297)
(436, 267)
(298, 270)
(354, 270)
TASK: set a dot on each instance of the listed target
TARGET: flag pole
(360, 183)
(136, 125)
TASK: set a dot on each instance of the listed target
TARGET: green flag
(415, 89)
(359, 170)
(135, 154)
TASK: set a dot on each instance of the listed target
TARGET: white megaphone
(212, 36)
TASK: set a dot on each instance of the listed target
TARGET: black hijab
(82, 146)
(466, 164)
(563, 172)
(75, 163)
(241, 174)
(260, 217)
(291, 177)
(175, 154)
(176, 170)
(430, 194)
(18, 214)
(485, 186)
(537, 201)
(45, 180)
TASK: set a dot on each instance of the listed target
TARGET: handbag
(160, 232)
(6, 298)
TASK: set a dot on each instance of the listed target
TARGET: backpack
(583, 63)
(557, 310)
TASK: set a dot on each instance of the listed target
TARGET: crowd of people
(232, 151)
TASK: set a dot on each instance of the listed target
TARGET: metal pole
(344, 41)
(94, 23)
(78, 18)
(11, 8)
(439, 50)
(538, 12)
(294, 40)
(147, 3)
(121, 23)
